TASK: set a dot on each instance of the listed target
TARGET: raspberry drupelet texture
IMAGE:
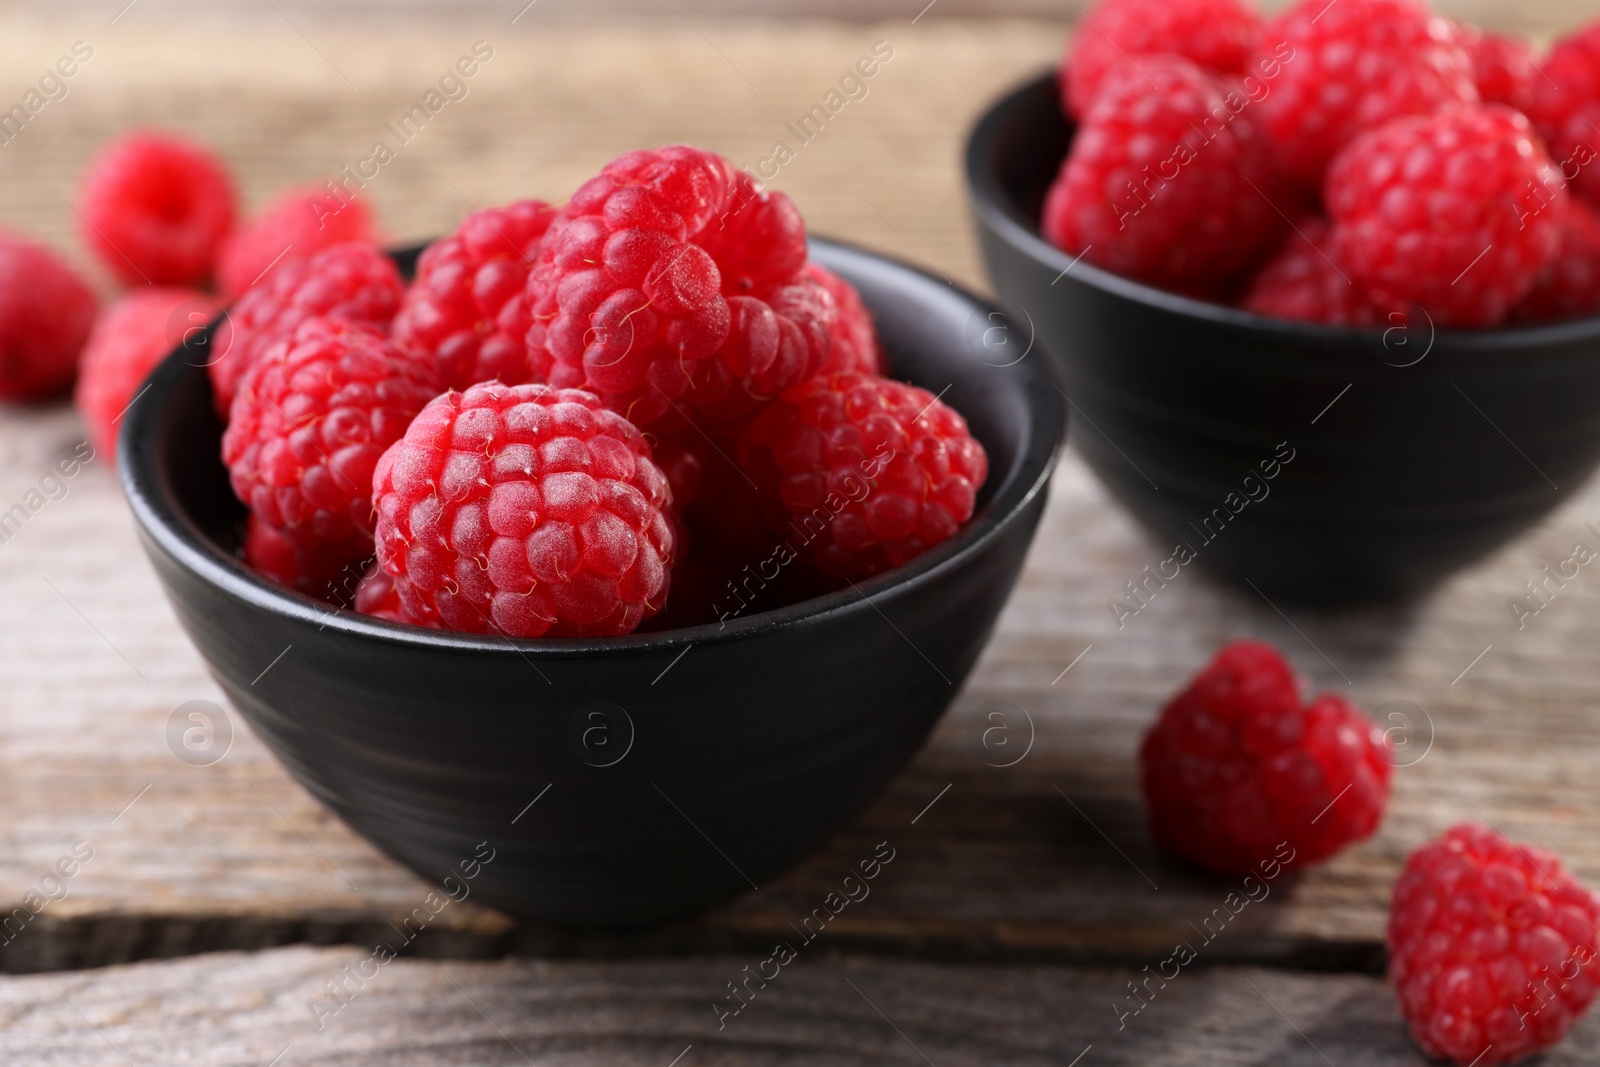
(46, 313)
(1492, 947)
(1569, 286)
(1350, 66)
(1456, 212)
(1565, 106)
(466, 308)
(855, 339)
(131, 336)
(293, 227)
(1305, 281)
(671, 284)
(155, 209)
(353, 282)
(1217, 35)
(1236, 767)
(305, 432)
(1165, 183)
(868, 473)
(1503, 67)
(376, 596)
(524, 510)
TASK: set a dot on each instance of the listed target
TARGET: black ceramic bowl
(1438, 445)
(671, 770)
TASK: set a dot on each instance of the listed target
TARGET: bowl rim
(999, 211)
(174, 531)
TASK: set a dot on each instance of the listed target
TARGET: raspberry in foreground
(524, 510)
(1565, 107)
(131, 336)
(1492, 947)
(1305, 281)
(1569, 286)
(1236, 768)
(1156, 188)
(1456, 212)
(671, 284)
(862, 474)
(465, 309)
(1352, 65)
(308, 426)
(1217, 35)
(293, 227)
(353, 282)
(46, 313)
(155, 209)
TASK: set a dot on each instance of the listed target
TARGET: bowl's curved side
(681, 767)
(1415, 450)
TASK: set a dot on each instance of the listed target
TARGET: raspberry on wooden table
(1456, 212)
(1350, 66)
(353, 282)
(1565, 106)
(1236, 768)
(466, 307)
(155, 209)
(130, 337)
(862, 474)
(305, 432)
(1157, 188)
(1306, 281)
(295, 226)
(524, 510)
(1217, 35)
(1569, 286)
(1492, 947)
(46, 313)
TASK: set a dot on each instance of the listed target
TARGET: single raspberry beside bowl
(862, 474)
(130, 337)
(1456, 212)
(524, 510)
(1164, 183)
(353, 282)
(1565, 106)
(1348, 66)
(305, 432)
(46, 313)
(1569, 285)
(1492, 947)
(1236, 768)
(1217, 35)
(466, 308)
(293, 227)
(1306, 281)
(155, 209)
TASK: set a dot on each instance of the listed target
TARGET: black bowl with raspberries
(629, 500)
(1325, 286)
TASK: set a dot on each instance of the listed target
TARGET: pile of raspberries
(1359, 163)
(567, 413)
(1494, 948)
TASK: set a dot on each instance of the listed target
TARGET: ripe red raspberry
(1565, 107)
(1492, 947)
(129, 339)
(465, 309)
(855, 339)
(1502, 66)
(46, 313)
(1305, 280)
(376, 596)
(155, 208)
(293, 227)
(1569, 286)
(524, 510)
(1352, 65)
(1166, 182)
(1217, 35)
(671, 284)
(310, 421)
(1236, 767)
(353, 282)
(1456, 212)
(868, 473)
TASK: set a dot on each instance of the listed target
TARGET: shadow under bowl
(1396, 456)
(624, 781)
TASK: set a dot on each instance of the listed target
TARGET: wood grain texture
(1044, 860)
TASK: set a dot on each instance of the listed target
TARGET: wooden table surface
(221, 899)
